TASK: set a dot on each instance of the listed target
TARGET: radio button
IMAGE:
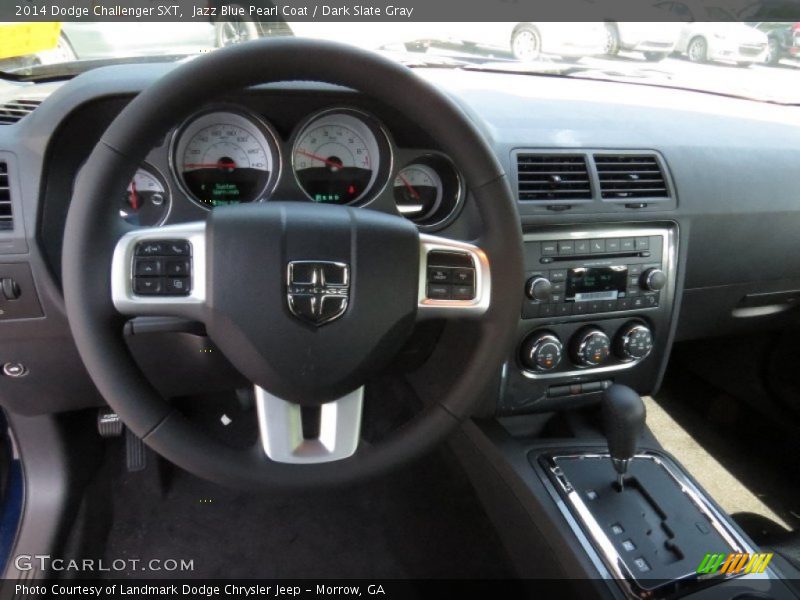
(557, 288)
(558, 276)
(566, 247)
(612, 245)
(653, 279)
(643, 243)
(627, 244)
(598, 246)
(638, 302)
(556, 298)
(564, 309)
(547, 310)
(582, 247)
(635, 269)
(546, 260)
(624, 304)
(549, 248)
(650, 300)
(609, 305)
(580, 308)
(538, 288)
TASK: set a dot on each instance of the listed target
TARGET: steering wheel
(305, 300)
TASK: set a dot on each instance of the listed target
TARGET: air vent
(6, 218)
(551, 177)
(16, 110)
(630, 176)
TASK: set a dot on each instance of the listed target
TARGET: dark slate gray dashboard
(729, 170)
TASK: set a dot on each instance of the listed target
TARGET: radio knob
(654, 279)
(591, 347)
(634, 341)
(542, 351)
(538, 288)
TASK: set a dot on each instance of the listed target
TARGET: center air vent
(16, 110)
(550, 177)
(630, 176)
(6, 218)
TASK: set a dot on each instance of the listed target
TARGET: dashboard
(229, 154)
(649, 215)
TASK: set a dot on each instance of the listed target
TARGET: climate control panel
(590, 347)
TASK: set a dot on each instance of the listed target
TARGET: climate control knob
(634, 341)
(538, 288)
(590, 347)
(541, 351)
(654, 280)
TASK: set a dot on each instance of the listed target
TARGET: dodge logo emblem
(317, 291)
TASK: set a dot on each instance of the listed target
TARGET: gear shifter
(623, 421)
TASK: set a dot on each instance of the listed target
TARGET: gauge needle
(330, 163)
(414, 193)
(134, 199)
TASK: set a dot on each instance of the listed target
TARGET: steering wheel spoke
(327, 433)
(161, 271)
(454, 279)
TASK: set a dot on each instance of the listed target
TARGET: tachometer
(146, 201)
(226, 158)
(336, 158)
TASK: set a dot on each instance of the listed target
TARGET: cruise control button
(463, 276)
(438, 291)
(179, 267)
(147, 286)
(147, 267)
(438, 274)
(177, 286)
(463, 292)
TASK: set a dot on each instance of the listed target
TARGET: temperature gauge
(146, 201)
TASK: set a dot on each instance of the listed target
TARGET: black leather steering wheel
(242, 290)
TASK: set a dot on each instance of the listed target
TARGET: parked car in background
(783, 39)
(656, 40)
(712, 33)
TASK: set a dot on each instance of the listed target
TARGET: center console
(596, 305)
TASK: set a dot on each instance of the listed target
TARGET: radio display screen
(596, 283)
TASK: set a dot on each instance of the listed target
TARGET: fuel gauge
(146, 201)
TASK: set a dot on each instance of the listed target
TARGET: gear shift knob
(623, 420)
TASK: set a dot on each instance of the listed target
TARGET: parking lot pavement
(780, 83)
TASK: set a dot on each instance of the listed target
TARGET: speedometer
(336, 158)
(226, 157)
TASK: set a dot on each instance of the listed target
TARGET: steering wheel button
(464, 276)
(463, 292)
(177, 248)
(147, 286)
(149, 249)
(179, 267)
(438, 274)
(148, 267)
(177, 286)
(439, 291)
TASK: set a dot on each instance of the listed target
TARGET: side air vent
(16, 110)
(551, 177)
(6, 218)
(630, 177)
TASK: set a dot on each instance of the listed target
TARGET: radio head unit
(596, 283)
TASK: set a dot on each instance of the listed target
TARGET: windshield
(704, 48)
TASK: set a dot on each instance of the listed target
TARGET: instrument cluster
(231, 155)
